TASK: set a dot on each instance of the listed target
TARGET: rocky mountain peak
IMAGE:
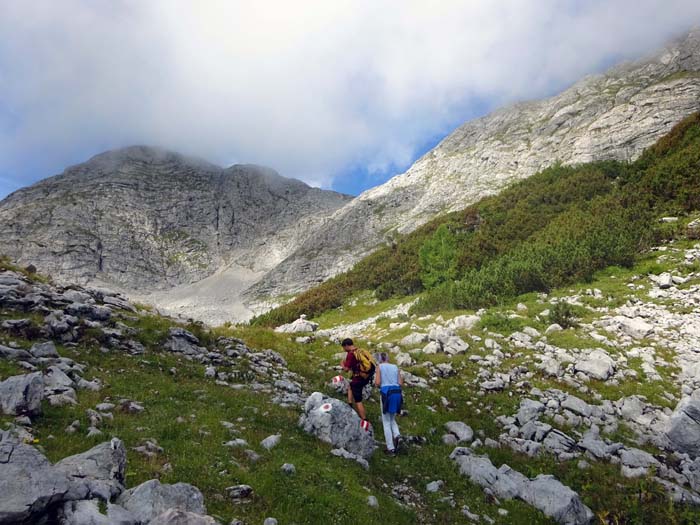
(146, 160)
(142, 219)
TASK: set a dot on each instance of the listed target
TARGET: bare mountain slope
(142, 220)
(610, 116)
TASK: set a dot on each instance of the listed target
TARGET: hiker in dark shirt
(359, 378)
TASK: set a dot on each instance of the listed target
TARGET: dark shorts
(357, 388)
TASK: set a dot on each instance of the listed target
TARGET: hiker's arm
(400, 378)
(377, 377)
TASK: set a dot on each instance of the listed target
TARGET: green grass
(7, 265)
(326, 494)
(9, 368)
(495, 321)
(356, 308)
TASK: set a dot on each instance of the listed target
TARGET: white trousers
(391, 429)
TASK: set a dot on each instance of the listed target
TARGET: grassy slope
(556, 227)
(326, 489)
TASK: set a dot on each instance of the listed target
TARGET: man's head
(383, 357)
(347, 344)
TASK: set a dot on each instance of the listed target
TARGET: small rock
(461, 430)
(236, 443)
(152, 498)
(665, 281)
(598, 364)
(289, 469)
(271, 442)
(577, 406)
(553, 328)
(240, 493)
(683, 427)
(252, 456)
(22, 394)
(47, 349)
(334, 422)
(634, 327)
(300, 325)
(434, 486)
(470, 515)
(131, 407)
(93, 431)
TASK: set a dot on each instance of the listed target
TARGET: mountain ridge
(141, 220)
(613, 115)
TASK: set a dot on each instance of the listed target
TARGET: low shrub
(563, 314)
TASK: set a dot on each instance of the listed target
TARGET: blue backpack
(392, 399)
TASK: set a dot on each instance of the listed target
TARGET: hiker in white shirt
(388, 379)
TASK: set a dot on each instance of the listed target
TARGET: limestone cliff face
(146, 219)
(610, 116)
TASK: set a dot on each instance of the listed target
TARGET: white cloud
(309, 88)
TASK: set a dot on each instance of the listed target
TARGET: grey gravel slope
(610, 116)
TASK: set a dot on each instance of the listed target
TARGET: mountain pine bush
(438, 258)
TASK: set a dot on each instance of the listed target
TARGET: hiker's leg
(394, 426)
(360, 409)
(355, 395)
(386, 423)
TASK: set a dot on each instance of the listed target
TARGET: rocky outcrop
(103, 466)
(22, 395)
(31, 487)
(683, 428)
(334, 422)
(68, 492)
(151, 499)
(543, 492)
(614, 115)
(301, 325)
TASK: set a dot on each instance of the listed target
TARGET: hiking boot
(389, 452)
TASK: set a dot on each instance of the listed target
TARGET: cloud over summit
(312, 89)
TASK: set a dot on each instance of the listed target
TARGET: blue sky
(341, 94)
